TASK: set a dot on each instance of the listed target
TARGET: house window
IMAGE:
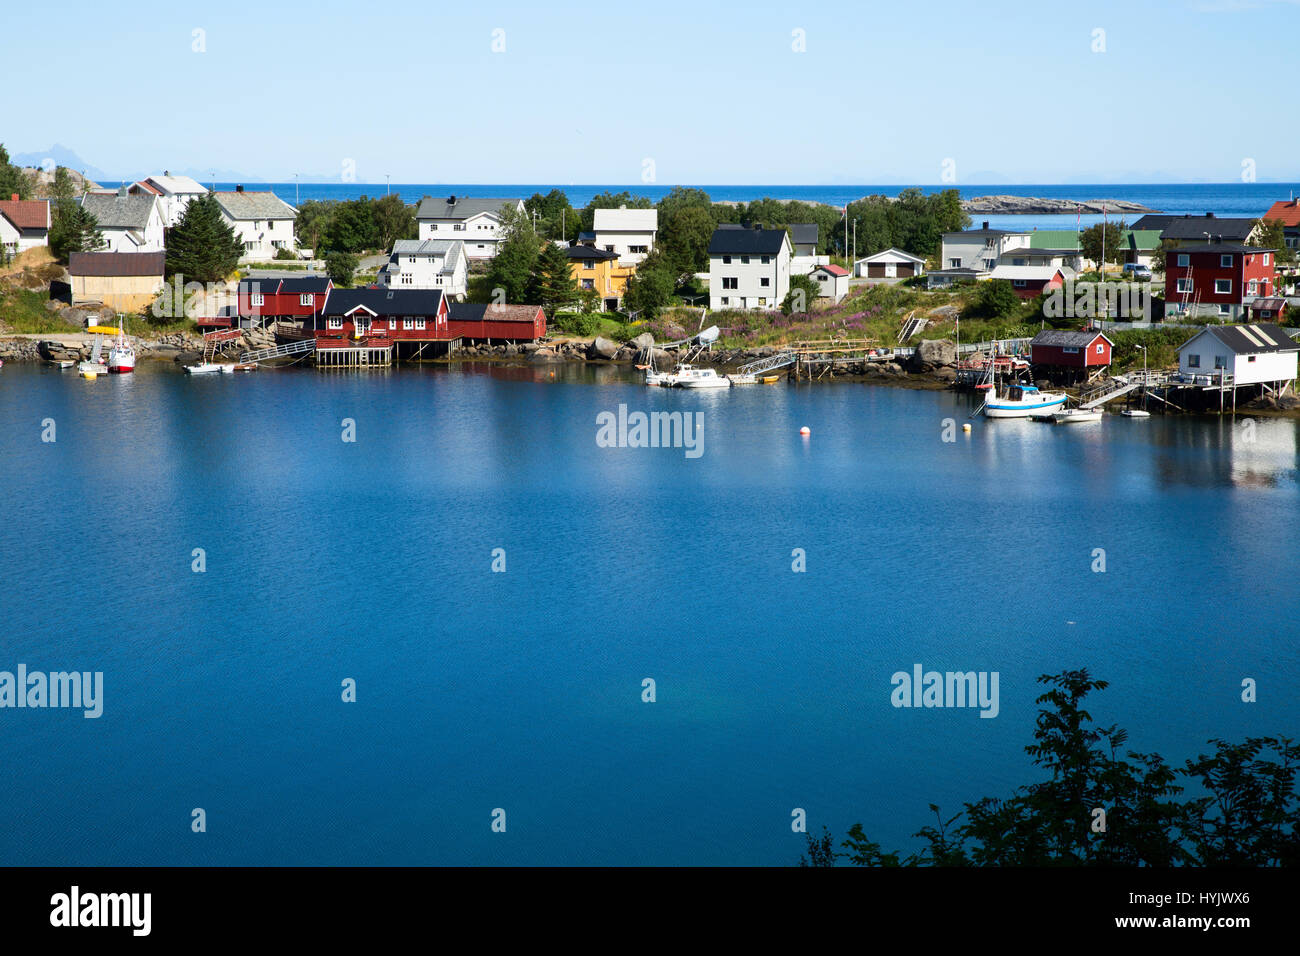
(725, 300)
(1220, 361)
(762, 303)
(1251, 286)
(419, 325)
(609, 248)
(257, 299)
(730, 282)
(954, 263)
(765, 281)
(744, 260)
(989, 264)
(726, 260)
(1193, 361)
(1250, 358)
(408, 278)
(1184, 285)
(458, 227)
(307, 299)
(1018, 283)
(588, 284)
(638, 249)
(1070, 351)
(334, 323)
(766, 259)
(1182, 260)
(589, 265)
(1266, 255)
(408, 324)
(1101, 349)
(1223, 287)
(1224, 310)
(1225, 262)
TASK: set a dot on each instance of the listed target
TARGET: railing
(279, 351)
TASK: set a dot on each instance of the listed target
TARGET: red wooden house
(1030, 281)
(382, 317)
(298, 300)
(508, 323)
(1083, 352)
(1217, 279)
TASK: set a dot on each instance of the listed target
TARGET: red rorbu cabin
(1084, 352)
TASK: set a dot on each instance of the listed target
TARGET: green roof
(1069, 239)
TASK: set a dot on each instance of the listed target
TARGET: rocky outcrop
(1032, 205)
(602, 348)
(932, 354)
(643, 341)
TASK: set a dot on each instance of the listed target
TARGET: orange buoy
(805, 430)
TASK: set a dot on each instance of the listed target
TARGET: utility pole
(387, 177)
(295, 189)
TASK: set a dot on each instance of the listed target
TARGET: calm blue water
(328, 560)
(1222, 199)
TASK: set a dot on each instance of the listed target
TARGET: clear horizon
(1005, 93)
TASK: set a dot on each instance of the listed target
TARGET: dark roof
(746, 242)
(804, 232)
(479, 312)
(1195, 227)
(1066, 339)
(299, 286)
(461, 207)
(116, 263)
(1274, 302)
(1154, 221)
(267, 285)
(1260, 337)
(589, 252)
(1220, 247)
(384, 301)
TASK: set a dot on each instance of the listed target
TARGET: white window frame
(1183, 260)
(1184, 285)
(1225, 261)
(1222, 282)
(307, 298)
(257, 299)
(335, 323)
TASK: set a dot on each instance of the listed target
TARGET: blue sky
(708, 92)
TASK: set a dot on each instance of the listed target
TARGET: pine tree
(201, 247)
(12, 180)
(553, 286)
(73, 229)
(512, 267)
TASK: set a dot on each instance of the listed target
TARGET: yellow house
(600, 270)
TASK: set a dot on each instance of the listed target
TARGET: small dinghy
(204, 368)
(1073, 416)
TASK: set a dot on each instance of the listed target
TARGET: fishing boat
(743, 378)
(1022, 401)
(121, 357)
(1072, 416)
(688, 376)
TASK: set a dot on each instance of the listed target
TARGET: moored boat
(1022, 401)
(771, 379)
(688, 376)
(121, 356)
(1072, 416)
(1135, 413)
(203, 368)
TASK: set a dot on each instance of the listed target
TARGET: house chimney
(451, 200)
(14, 197)
(239, 188)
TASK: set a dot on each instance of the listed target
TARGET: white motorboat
(1022, 401)
(204, 368)
(688, 376)
(662, 379)
(1135, 413)
(1072, 416)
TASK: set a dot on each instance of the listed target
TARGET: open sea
(1223, 199)
(326, 560)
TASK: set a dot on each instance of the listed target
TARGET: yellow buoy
(90, 375)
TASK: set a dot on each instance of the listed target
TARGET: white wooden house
(262, 221)
(889, 263)
(1250, 354)
(748, 268)
(126, 223)
(428, 264)
(628, 233)
(474, 220)
(174, 194)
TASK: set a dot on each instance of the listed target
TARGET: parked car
(1133, 270)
